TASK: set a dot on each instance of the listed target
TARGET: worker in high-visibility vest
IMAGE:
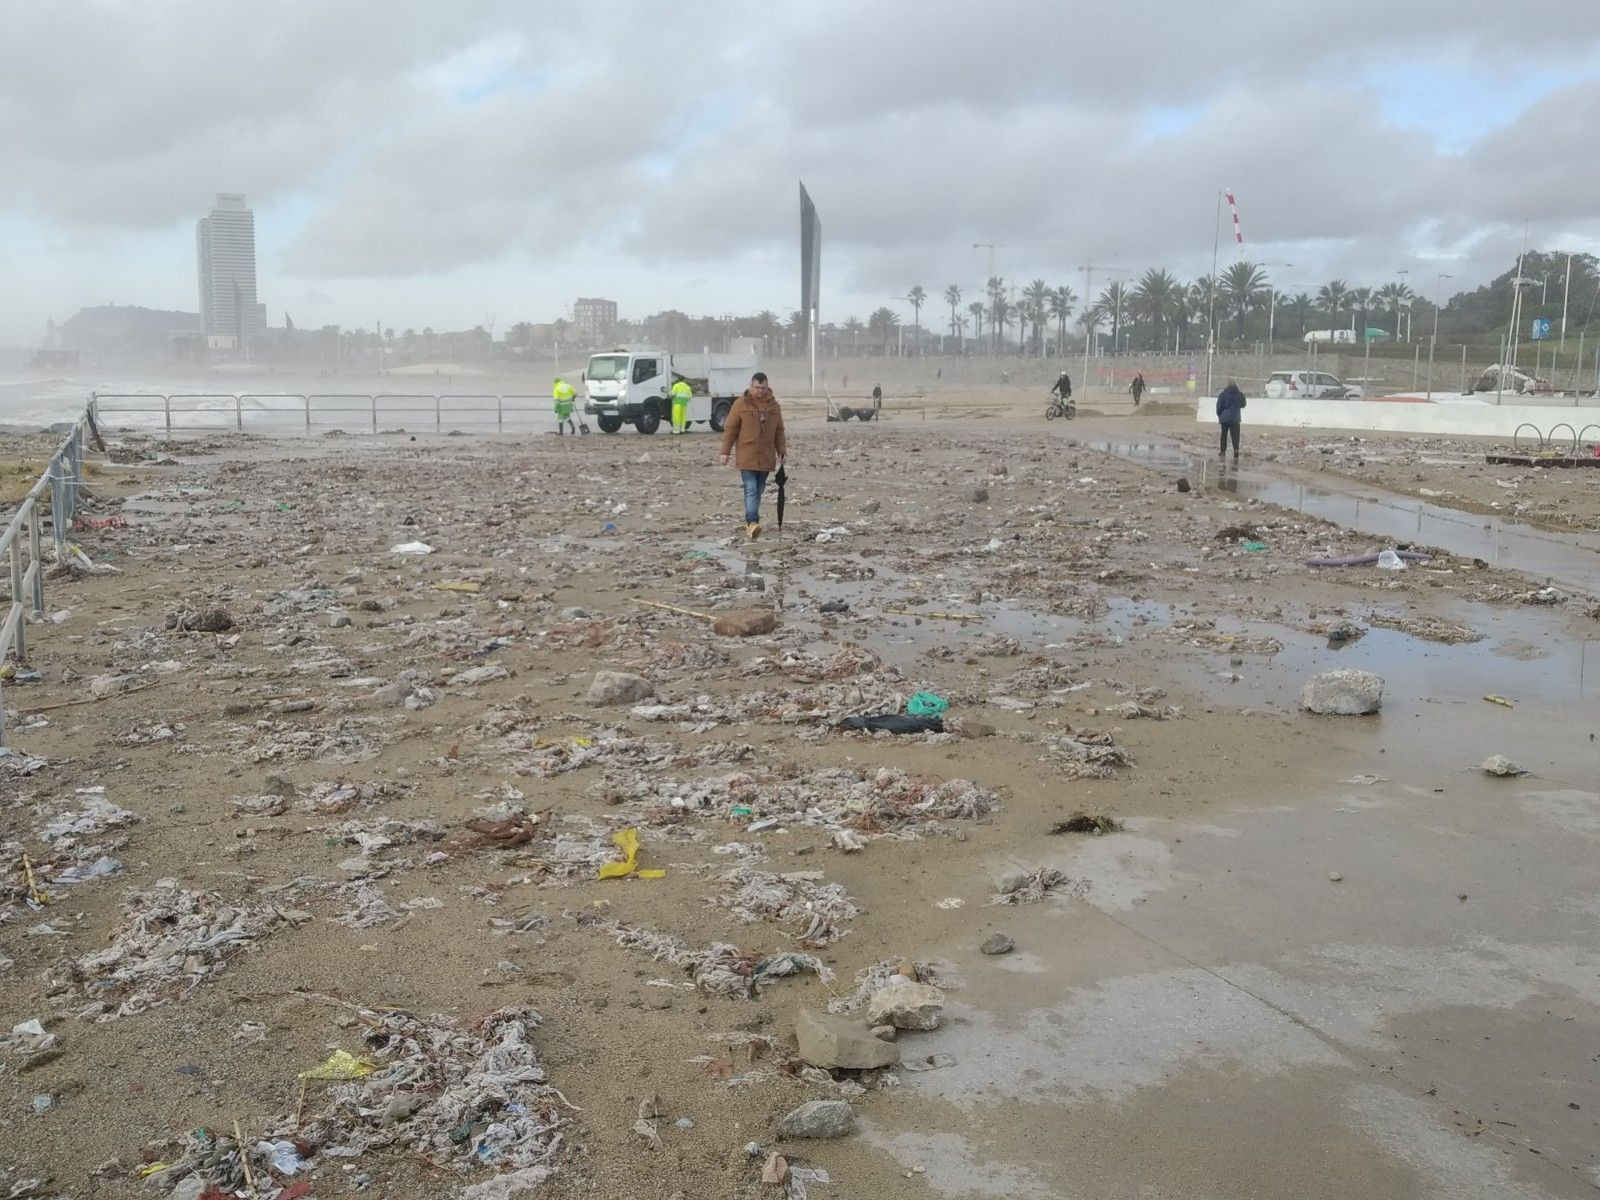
(681, 391)
(563, 395)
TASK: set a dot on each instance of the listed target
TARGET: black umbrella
(781, 480)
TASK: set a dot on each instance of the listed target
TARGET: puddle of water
(1569, 560)
(1509, 660)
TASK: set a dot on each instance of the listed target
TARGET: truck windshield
(608, 368)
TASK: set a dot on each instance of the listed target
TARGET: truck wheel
(719, 414)
(649, 418)
(610, 424)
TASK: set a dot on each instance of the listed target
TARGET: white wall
(1464, 419)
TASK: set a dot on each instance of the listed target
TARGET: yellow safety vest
(682, 391)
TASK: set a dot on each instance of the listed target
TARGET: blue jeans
(755, 482)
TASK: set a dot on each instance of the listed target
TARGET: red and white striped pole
(1233, 207)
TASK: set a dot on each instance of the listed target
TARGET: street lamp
(1272, 304)
(1402, 273)
(1089, 322)
(1438, 290)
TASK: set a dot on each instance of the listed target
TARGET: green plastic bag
(926, 704)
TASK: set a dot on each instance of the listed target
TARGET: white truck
(635, 385)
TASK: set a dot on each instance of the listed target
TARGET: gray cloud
(409, 140)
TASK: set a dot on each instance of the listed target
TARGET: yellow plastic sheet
(627, 840)
(469, 586)
(341, 1064)
(150, 1169)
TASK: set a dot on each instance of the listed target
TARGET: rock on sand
(906, 1006)
(618, 687)
(1343, 693)
(818, 1119)
(833, 1043)
(745, 622)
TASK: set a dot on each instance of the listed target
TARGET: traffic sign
(1541, 329)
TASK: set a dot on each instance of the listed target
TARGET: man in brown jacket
(755, 427)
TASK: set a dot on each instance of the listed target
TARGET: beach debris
(171, 940)
(1093, 824)
(201, 620)
(720, 969)
(627, 840)
(1499, 764)
(1030, 887)
(813, 911)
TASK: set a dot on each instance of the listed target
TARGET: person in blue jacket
(1230, 407)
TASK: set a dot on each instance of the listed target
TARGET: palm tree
(1301, 306)
(1333, 298)
(1001, 313)
(1361, 301)
(853, 327)
(917, 297)
(1061, 301)
(884, 322)
(1200, 296)
(1244, 287)
(977, 310)
(1035, 302)
(952, 297)
(1158, 299)
(996, 288)
(1395, 296)
(1114, 302)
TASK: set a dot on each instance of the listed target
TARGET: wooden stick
(34, 893)
(673, 608)
(300, 1104)
(942, 616)
(244, 1158)
(90, 699)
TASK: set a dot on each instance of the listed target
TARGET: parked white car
(1310, 385)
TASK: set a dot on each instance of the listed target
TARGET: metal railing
(180, 413)
(62, 479)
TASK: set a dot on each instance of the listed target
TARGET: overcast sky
(444, 165)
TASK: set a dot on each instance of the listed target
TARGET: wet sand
(1206, 1012)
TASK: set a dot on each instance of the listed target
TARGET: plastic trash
(282, 1155)
(894, 723)
(99, 868)
(926, 704)
(627, 840)
(1253, 547)
(341, 1064)
(1388, 560)
(411, 548)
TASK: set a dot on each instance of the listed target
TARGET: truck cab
(624, 386)
(635, 386)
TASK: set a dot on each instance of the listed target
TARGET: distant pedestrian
(1137, 387)
(1063, 388)
(1230, 408)
(563, 397)
(755, 427)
